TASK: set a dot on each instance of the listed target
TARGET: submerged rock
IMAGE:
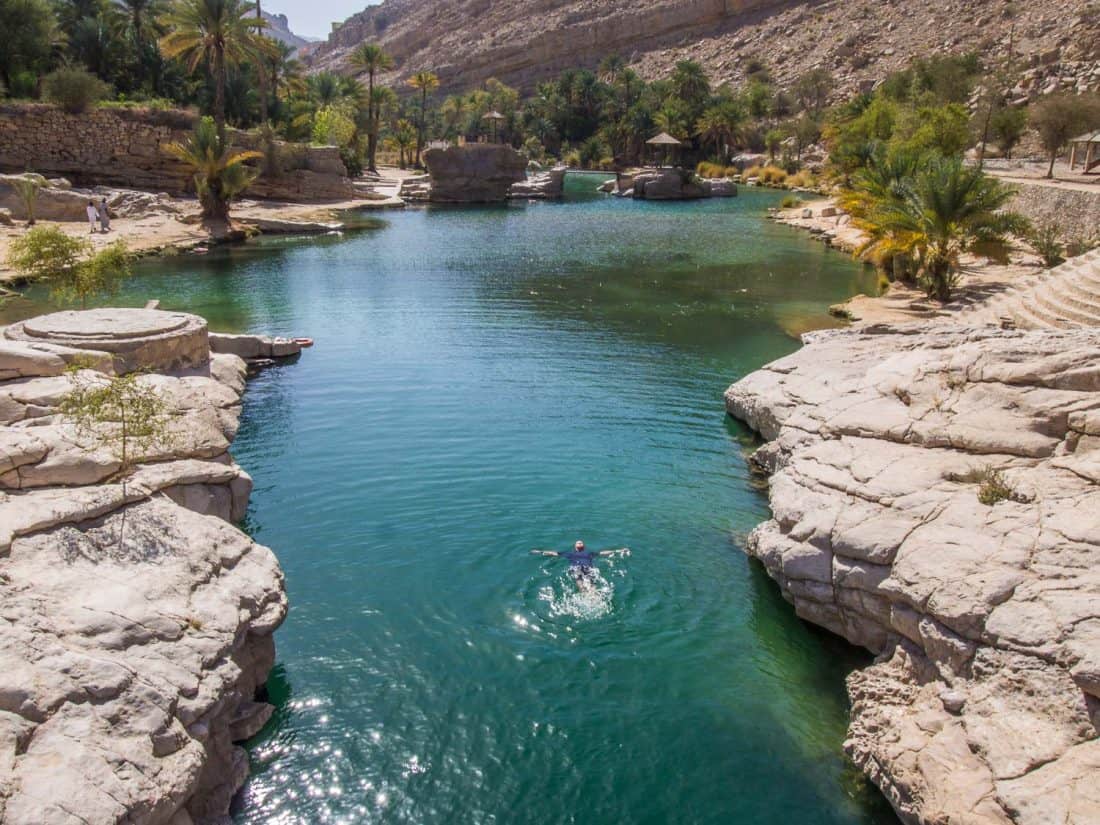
(935, 499)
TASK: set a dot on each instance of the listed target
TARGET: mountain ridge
(525, 41)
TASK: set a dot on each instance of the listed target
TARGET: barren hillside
(524, 41)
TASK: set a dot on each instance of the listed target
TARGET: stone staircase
(1064, 297)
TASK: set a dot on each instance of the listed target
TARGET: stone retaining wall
(126, 147)
(1077, 212)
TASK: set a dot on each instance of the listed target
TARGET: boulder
(542, 186)
(667, 184)
(474, 173)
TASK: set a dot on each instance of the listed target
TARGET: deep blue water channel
(485, 381)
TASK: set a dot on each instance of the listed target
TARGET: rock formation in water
(135, 620)
(474, 173)
(935, 499)
(522, 42)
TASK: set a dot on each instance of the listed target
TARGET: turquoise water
(490, 380)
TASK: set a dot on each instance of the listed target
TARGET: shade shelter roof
(663, 139)
(493, 115)
(1088, 137)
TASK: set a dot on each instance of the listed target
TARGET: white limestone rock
(882, 439)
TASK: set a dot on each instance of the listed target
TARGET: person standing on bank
(93, 213)
(104, 216)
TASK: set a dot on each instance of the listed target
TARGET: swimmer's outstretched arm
(622, 551)
(537, 552)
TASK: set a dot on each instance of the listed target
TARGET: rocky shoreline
(934, 491)
(136, 620)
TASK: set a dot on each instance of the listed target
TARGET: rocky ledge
(135, 620)
(935, 499)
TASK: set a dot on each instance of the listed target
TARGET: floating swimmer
(582, 568)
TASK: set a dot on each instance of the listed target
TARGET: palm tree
(219, 33)
(935, 216)
(140, 12)
(405, 138)
(718, 126)
(610, 67)
(424, 82)
(371, 58)
(220, 173)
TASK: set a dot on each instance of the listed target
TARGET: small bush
(753, 172)
(710, 169)
(23, 85)
(802, 180)
(993, 487)
(46, 252)
(773, 175)
(1046, 241)
(74, 90)
(1079, 246)
(790, 202)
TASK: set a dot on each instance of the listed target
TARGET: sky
(314, 18)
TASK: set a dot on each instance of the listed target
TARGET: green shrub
(1046, 241)
(70, 266)
(45, 252)
(74, 90)
(993, 487)
(1079, 246)
(23, 85)
(790, 202)
(332, 127)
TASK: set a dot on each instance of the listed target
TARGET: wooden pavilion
(1088, 146)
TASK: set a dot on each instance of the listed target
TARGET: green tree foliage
(220, 174)
(425, 83)
(1061, 117)
(934, 215)
(71, 267)
(74, 90)
(29, 32)
(218, 34)
(332, 126)
(1007, 126)
(123, 414)
(372, 59)
(27, 188)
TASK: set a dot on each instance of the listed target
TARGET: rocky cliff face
(524, 41)
(935, 498)
(135, 620)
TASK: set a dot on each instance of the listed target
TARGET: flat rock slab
(139, 339)
(108, 324)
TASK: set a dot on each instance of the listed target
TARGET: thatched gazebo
(495, 118)
(1087, 144)
(666, 142)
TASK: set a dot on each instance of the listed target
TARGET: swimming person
(582, 562)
